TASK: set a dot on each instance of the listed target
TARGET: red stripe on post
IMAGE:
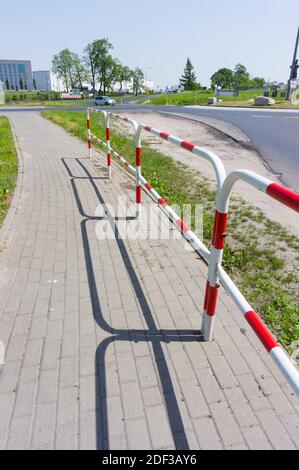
(107, 133)
(108, 159)
(147, 128)
(212, 300)
(183, 226)
(138, 194)
(89, 144)
(88, 124)
(187, 145)
(162, 202)
(261, 330)
(127, 163)
(286, 196)
(138, 156)
(219, 230)
(164, 135)
(148, 186)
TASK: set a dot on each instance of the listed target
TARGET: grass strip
(8, 166)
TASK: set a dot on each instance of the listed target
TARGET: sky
(157, 35)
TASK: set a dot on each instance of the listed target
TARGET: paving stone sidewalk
(101, 335)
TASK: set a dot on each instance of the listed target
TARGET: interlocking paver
(99, 333)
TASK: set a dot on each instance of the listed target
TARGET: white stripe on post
(289, 370)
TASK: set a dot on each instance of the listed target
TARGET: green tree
(34, 83)
(89, 59)
(241, 76)
(21, 84)
(188, 79)
(257, 82)
(106, 72)
(121, 74)
(99, 63)
(79, 72)
(224, 77)
(7, 84)
(62, 65)
(138, 80)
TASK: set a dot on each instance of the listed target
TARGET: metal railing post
(108, 147)
(138, 131)
(88, 133)
(290, 199)
(212, 285)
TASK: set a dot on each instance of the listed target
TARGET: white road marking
(256, 116)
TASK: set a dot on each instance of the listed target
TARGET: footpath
(102, 339)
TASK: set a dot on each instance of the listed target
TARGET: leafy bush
(31, 96)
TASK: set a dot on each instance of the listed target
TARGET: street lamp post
(294, 67)
(48, 89)
(145, 75)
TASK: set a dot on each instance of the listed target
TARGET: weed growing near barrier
(8, 166)
(267, 277)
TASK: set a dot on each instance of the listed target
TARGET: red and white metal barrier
(216, 272)
(281, 359)
(188, 234)
(137, 150)
(289, 199)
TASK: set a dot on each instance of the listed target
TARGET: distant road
(274, 133)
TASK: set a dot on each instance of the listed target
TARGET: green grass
(8, 166)
(180, 99)
(51, 104)
(201, 98)
(265, 276)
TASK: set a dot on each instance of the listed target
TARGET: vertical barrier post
(107, 125)
(88, 133)
(212, 284)
(138, 131)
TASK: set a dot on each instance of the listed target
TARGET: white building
(42, 80)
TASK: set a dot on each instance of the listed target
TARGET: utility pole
(294, 67)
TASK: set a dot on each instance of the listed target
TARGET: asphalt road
(274, 133)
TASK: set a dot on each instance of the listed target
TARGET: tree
(90, 62)
(79, 72)
(224, 77)
(188, 79)
(122, 74)
(106, 72)
(99, 62)
(21, 84)
(7, 84)
(257, 82)
(62, 65)
(241, 76)
(34, 83)
(138, 79)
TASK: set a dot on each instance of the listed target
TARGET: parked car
(104, 100)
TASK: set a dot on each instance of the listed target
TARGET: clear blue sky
(159, 33)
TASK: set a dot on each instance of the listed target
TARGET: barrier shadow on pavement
(156, 337)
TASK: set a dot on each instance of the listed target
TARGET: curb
(222, 126)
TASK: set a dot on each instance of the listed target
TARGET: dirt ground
(233, 154)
